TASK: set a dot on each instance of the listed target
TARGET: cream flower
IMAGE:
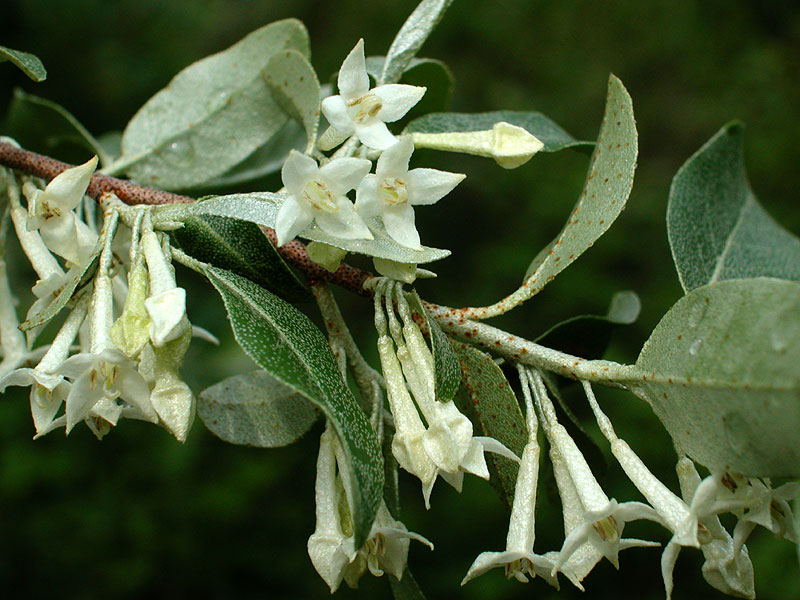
(364, 112)
(318, 194)
(392, 191)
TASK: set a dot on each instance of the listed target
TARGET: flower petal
(394, 161)
(66, 190)
(367, 202)
(344, 223)
(343, 174)
(297, 170)
(373, 133)
(397, 99)
(353, 80)
(399, 221)
(292, 218)
(427, 186)
(335, 110)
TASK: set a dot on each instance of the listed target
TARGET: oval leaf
(240, 247)
(411, 36)
(30, 64)
(286, 344)
(487, 399)
(548, 132)
(295, 86)
(211, 116)
(605, 192)
(255, 409)
(717, 229)
(262, 207)
(721, 372)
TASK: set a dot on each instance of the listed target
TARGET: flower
(318, 193)
(362, 111)
(392, 191)
(166, 304)
(331, 547)
(51, 212)
(518, 559)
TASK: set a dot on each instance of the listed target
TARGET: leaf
(38, 123)
(551, 135)
(243, 248)
(487, 399)
(266, 160)
(212, 116)
(29, 63)
(75, 279)
(286, 344)
(588, 336)
(295, 86)
(717, 229)
(262, 207)
(406, 588)
(446, 370)
(411, 36)
(605, 192)
(721, 372)
(255, 409)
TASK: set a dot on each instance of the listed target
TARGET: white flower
(392, 191)
(362, 111)
(166, 304)
(331, 549)
(518, 559)
(318, 193)
(51, 212)
(601, 520)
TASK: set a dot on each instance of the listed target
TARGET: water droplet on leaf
(695, 347)
(179, 153)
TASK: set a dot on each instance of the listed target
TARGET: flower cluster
(128, 326)
(318, 194)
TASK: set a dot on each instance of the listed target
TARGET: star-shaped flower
(392, 191)
(364, 112)
(318, 194)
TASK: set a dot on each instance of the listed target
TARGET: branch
(453, 321)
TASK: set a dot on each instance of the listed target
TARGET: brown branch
(347, 277)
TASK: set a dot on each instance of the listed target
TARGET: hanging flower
(362, 111)
(318, 194)
(393, 190)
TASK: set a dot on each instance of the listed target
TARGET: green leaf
(262, 208)
(717, 229)
(255, 409)
(212, 115)
(75, 279)
(268, 159)
(411, 36)
(286, 344)
(487, 399)
(446, 370)
(608, 184)
(721, 372)
(588, 336)
(551, 135)
(40, 124)
(243, 248)
(295, 86)
(29, 63)
(406, 588)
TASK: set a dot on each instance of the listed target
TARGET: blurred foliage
(141, 515)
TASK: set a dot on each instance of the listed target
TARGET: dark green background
(139, 514)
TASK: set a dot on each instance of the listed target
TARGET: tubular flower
(518, 559)
(602, 519)
(51, 211)
(318, 194)
(393, 190)
(364, 112)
